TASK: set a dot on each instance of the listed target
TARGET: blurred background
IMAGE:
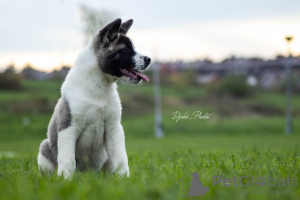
(238, 61)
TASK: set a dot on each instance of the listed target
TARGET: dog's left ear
(110, 31)
(125, 26)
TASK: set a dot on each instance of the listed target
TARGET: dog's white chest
(92, 118)
(89, 143)
(92, 136)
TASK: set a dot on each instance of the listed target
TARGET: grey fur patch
(46, 151)
(125, 26)
(60, 120)
(64, 114)
(107, 34)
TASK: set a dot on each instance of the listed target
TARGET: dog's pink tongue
(143, 76)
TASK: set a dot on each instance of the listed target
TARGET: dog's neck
(86, 76)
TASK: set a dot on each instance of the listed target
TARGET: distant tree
(10, 69)
(207, 60)
(60, 74)
(28, 72)
(255, 59)
(229, 59)
(93, 19)
(9, 79)
(232, 85)
(279, 57)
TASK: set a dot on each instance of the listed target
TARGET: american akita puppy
(85, 130)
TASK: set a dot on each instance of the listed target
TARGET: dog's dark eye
(125, 50)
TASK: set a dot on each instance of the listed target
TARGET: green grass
(234, 148)
(33, 89)
(229, 147)
(157, 165)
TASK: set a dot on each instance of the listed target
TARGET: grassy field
(245, 144)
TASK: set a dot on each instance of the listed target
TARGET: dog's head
(116, 54)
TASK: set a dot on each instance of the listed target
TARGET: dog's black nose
(147, 60)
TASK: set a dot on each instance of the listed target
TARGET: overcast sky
(48, 33)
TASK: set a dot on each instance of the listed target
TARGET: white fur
(45, 165)
(66, 152)
(96, 110)
(139, 61)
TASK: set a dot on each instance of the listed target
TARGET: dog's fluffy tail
(45, 158)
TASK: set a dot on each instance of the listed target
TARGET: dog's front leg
(115, 147)
(66, 152)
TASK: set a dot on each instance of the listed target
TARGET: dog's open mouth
(134, 74)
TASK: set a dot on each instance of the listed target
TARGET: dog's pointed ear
(125, 26)
(110, 31)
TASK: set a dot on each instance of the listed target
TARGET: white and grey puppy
(85, 131)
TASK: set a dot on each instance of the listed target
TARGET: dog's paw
(124, 172)
(67, 174)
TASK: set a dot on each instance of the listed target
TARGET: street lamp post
(159, 133)
(288, 125)
(157, 102)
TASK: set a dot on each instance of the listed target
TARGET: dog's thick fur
(85, 130)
